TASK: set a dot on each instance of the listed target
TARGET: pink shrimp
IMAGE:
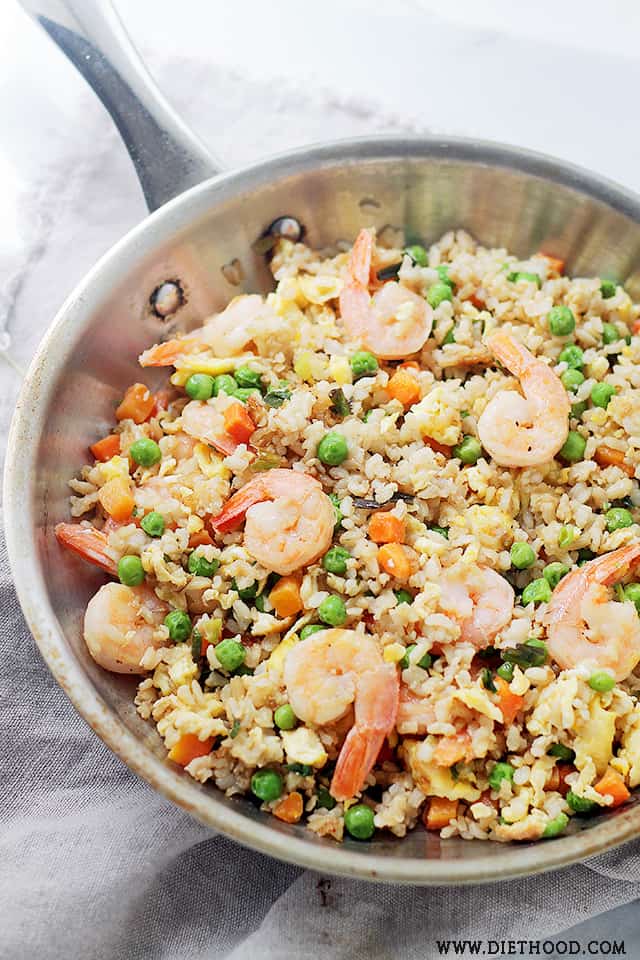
(328, 673)
(395, 322)
(523, 431)
(415, 714)
(87, 542)
(204, 422)
(226, 333)
(479, 599)
(120, 624)
(289, 519)
(585, 626)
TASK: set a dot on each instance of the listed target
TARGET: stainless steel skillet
(200, 241)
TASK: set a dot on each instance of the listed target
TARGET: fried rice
(509, 743)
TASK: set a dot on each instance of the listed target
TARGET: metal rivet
(287, 228)
(167, 298)
(369, 205)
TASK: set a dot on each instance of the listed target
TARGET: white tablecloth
(93, 863)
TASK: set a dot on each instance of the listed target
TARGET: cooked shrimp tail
(166, 354)
(376, 709)
(87, 542)
(586, 626)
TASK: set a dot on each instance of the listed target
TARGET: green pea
(505, 670)
(573, 356)
(468, 450)
(561, 321)
(438, 293)
(618, 518)
(424, 661)
(561, 752)
(335, 560)
(607, 289)
(335, 500)
(566, 536)
(538, 591)
(501, 771)
(199, 566)
(363, 364)
(332, 449)
(325, 800)
(573, 447)
(522, 555)
(243, 393)
(230, 654)
(610, 334)
(145, 452)
(226, 383)
(418, 254)
(266, 785)
(246, 377)
(248, 594)
(601, 393)
(284, 717)
(517, 275)
(131, 571)
(632, 592)
(403, 596)
(601, 681)
(153, 524)
(555, 826)
(332, 611)
(450, 336)
(311, 628)
(580, 804)
(572, 379)
(443, 273)
(554, 572)
(359, 821)
(577, 409)
(178, 623)
(199, 386)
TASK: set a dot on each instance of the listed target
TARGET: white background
(558, 77)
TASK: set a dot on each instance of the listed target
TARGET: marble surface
(254, 79)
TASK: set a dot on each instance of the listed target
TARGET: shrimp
(289, 520)
(480, 600)
(205, 423)
(395, 321)
(226, 333)
(585, 626)
(327, 673)
(89, 543)
(119, 626)
(523, 431)
(415, 714)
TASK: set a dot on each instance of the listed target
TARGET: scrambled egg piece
(594, 740)
(340, 370)
(318, 289)
(435, 781)
(490, 525)
(310, 366)
(437, 417)
(199, 363)
(113, 468)
(624, 409)
(477, 698)
(210, 462)
(275, 663)
(304, 746)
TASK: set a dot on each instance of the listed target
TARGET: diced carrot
(161, 400)
(116, 498)
(439, 813)
(556, 264)
(438, 447)
(200, 539)
(450, 750)
(106, 448)
(237, 423)
(386, 527)
(404, 387)
(285, 596)
(477, 301)
(137, 404)
(393, 559)
(188, 748)
(289, 809)
(612, 784)
(611, 457)
(510, 703)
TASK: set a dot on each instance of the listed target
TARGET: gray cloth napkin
(93, 863)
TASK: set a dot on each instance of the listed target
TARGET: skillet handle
(167, 156)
